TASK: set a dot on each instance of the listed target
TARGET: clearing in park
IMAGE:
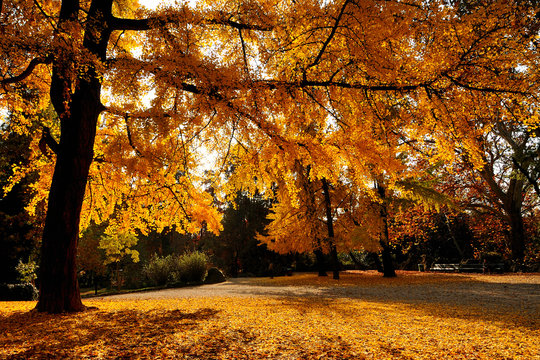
(361, 316)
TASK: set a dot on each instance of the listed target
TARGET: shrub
(187, 268)
(193, 267)
(158, 270)
(18, 292)
(27, 272)
(214, 276)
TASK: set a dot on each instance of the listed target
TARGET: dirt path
(519, 293)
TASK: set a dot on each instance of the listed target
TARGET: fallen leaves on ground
(364, 278)
(271, 328)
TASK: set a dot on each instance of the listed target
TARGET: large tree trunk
(512, 200)
(330, 227)
(59, 288)
(517, 238)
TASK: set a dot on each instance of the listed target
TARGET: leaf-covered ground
(291, 327)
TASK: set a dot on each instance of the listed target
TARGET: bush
(158, 270)
(214, 276)
(18, 292)
(27, 272)
(187, 268)
(193, 267)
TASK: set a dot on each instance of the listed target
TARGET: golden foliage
(336, 85)
(284, 328)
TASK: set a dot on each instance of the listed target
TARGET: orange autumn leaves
(291, 89)
(286, 327)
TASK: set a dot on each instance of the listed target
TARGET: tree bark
(357, 264)
(388, 265)
(375, 258)
(330, 227)
(517, 238)
(512, 205)
(321, 263)
(59, 288)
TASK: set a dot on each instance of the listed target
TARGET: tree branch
(327, 41)
(134, 24)
(152, 23)
(28, 71)
(238, 25)
(483, 89)
(246, 67)
(47, 141)
(525, 173)
(274, 84)
(126, 117)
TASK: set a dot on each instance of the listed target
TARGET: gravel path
(519, 294)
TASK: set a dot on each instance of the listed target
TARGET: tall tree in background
(236, 248)
(504, 186)
(302, 218)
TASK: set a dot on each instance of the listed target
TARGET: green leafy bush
(193, 267)
(158, 270)
(27, 272)
(171, 269)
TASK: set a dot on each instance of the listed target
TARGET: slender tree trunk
(118, 276)
(330, 227)
(94, 278)
(336, 265)
(321, 263)
(357, 263)
(454, 240)
(388, 265)
(234, 268)
(59, 288)
(377, 261)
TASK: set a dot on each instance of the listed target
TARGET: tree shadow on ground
(124, 334)
(516, 304)
(165, 334)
